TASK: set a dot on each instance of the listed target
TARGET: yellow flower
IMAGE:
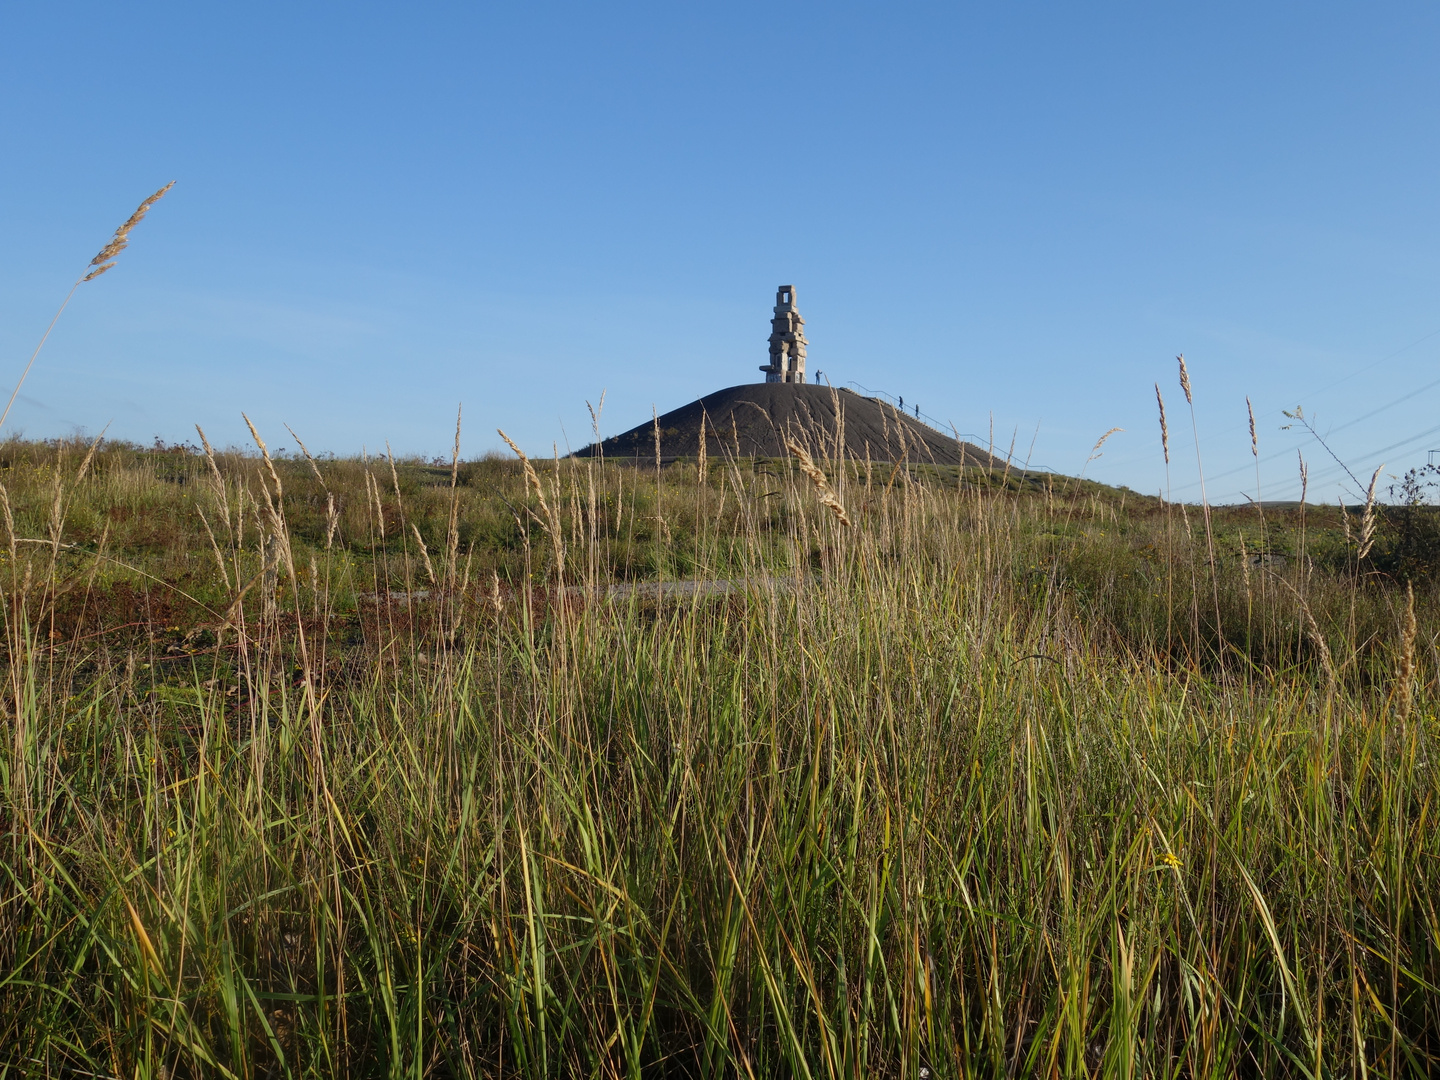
(1171, 860)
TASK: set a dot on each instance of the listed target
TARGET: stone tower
(787, 340)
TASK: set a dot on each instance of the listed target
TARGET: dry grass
(121, 240)
(807, 465)
(101, 263)
(943, 784)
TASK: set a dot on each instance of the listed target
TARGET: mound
(755, 420)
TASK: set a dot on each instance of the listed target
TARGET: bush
(1408, 547)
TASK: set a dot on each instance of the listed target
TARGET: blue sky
(1013, 213)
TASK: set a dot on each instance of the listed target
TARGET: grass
(1001, 778)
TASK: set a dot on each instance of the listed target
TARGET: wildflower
(1171, 860)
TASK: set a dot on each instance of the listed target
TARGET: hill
(755, 420)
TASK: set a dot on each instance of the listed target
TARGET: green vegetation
(348, 769)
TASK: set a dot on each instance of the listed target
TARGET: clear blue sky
(1013, 210)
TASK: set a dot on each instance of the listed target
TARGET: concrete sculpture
(787, 340)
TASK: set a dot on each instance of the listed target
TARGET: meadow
(357, 767)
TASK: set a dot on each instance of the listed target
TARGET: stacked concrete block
(787, 340)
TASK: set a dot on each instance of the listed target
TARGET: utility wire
(1376, 363)
(1334, 470)
(1357, 371)
(1331, 472)
(1408, 395)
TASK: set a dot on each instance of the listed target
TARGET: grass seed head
(1095, 450)
(1164, 427)
(551, 521)
(424, 555)
(89, 457)
(700, 461)
(1367, 519)
(105, 259)
(9, 521)
(530, 475)
(497, 603)
(807, 466)
(1185, 380)
(314, 468)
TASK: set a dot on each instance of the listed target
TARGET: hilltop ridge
(754, 420)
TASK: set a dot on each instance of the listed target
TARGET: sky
(1014, 215)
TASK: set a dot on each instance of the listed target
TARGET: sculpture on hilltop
(787, 340)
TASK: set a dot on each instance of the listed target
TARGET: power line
(1408, 395)
(1331, 472)
(1359, 371)
(1334, 470)
(1376, 363)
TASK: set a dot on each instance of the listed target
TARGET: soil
(755, 420)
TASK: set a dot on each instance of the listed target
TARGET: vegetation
(376, 768)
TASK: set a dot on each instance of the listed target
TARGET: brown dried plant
(530, 476)
(102, 262)
(90, 455)
(1095, 450)
(1259, 496)
(807, 465)
(1204, 497)
(275, 505)
(1366, 540)
(220, 497)
(9, 523)
(551, 522)
(374, 503)
(700, 460)
(280, 536)
(121, 240)
(332, 514)
(1327, 660)
(424, 555)
(497, 602)
(597, 411)
(215, 478)
(1164, 427)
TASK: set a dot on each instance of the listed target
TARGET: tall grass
(943, 781)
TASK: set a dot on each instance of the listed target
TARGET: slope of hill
(755, 420)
